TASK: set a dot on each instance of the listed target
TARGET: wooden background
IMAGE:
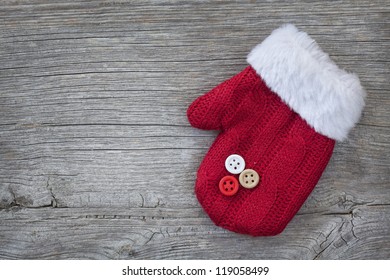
(98, 160)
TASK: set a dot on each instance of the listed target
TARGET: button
(249, 178)
(235, 164)
(228, 185)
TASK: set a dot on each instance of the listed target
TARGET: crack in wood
(54, 202)
(82, 85)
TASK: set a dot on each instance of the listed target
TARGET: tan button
(249, 178)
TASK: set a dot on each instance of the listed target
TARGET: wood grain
(93, 99)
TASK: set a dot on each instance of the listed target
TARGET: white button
(235, 164)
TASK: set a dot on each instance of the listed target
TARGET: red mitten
(279, 119)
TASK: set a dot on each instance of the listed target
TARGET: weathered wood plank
(152, 233)
(93, 98)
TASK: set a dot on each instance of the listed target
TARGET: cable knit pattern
(282, 114)
(274, 141)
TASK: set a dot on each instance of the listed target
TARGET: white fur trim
(294, 67)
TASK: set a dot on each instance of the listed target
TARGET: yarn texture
(287, 152)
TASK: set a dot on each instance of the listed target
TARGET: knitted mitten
(279, 119)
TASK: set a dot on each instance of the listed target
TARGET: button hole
(231, 189)
(246, 182)
(238, 163)
(246, 176)
(251, 175)
(224, 183)
(231, 183)
(235, 167)
(253, 181)
(226, 189)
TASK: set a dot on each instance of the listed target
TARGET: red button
(228, 185)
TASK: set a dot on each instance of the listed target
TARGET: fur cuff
(295, 68)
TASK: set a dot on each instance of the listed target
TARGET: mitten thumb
(209, 110)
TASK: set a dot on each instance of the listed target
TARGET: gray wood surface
(98, 161)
